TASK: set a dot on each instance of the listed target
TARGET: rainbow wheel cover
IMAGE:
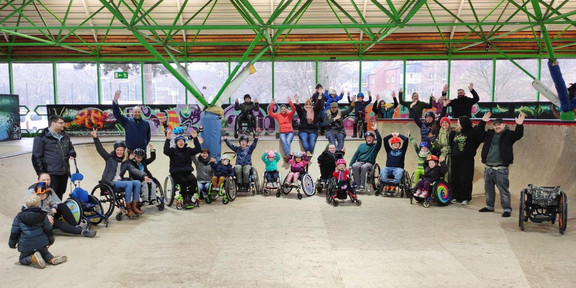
(442, 193)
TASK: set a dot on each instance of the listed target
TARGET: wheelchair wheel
(208, 197)
(105, 196)
(96, 214)
(562, 212)
(329, 190)
(522, 211)
(318, 186)
(159, 194)
(286, 189)
(170, 190)
(255, 182)
(308, 185)
(75, 207)
(408, 182)
(441, 194)
(375, 177)
(230, 187)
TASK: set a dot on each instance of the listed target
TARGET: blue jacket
(221, 170)
(31, 230)
(360, 106)
(137, 131)
(329, 99)
(243, 156)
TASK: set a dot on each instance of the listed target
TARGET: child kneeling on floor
(32, 234)
(433, 172)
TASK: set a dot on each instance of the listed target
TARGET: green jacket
(271, 165)
(368, 153)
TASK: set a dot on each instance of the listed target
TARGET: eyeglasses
(60, 122)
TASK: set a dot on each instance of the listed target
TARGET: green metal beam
(333, 3)
(16, 10)
(543, 30)
(393, 16)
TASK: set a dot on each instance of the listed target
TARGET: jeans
(360, 170)
(396, 171)
(308, 140)
(498, 178)
(286, 139)
(271, 176)
(243, 173)
(203, 187)
(131, 189)
(332, 137)
(565, 104)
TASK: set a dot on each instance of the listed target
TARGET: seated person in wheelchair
(422, 151)
(270, 159)
(342, 177)
(58, 213)
(139, 161)
(327, 161)
(432, 173)
(243, 160)
(204, 171)
(181, 165)
(298, 163)
(221, 170)
(246, 110)
(360, 111)
(395, 145)
(113, 175)
(365, 156)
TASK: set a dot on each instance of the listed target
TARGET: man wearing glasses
(51, 153)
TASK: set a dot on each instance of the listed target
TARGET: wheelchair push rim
(106, 197)
(308, 185)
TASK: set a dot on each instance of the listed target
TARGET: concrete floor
(269, 242)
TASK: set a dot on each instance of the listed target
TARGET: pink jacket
(298, 167)
(284, 121)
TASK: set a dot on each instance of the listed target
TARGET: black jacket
(50, 155)
(112, 165)
(181, 158)
(246, 108)
(145, 162)
(304, 125)
(31, 230)
(463, 106)
(327, 163)
(506, 142)
(465, 143)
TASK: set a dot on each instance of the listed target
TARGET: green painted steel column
(543, 28)
(493, 79)
(55, 82)
(448, 78)
(360, 75)
(316, 71)
(404, 80)
(11, 77)
(142, 81)
(98, 78)
(272, 76)
(539, 76)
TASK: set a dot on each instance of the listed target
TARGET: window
(568, 68)
(294, 78)
(386, 76)
(161, 87)
(35, 84)
(464, 72)
(426, 78)
(512, 84)
(258, 85)
(77, 83)
(209, 77)
(131, 87)
(340, 75)
(4, 79)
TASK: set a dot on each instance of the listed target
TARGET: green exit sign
(120, 75)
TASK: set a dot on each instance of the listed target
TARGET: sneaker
(506, 214)
(144, 203)
(453, 201)
(58, 260)
(37, 259)
(89, 233)
(424, 194)
(361, 187)
(354, 136)
(485, 210)
(465, 202)
(294, 184)
(418, 192)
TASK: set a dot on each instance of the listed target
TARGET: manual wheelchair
(172, 194)
(305, 182)
(372, 179)
(227, 188)
(403, 189)
(439, 193)
(542, 203)
(335, 193)
(276, 186)
(245, 124)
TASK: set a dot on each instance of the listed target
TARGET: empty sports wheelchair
(542, 203)
(387, 188)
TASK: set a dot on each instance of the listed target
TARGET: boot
(129, 211)
(135, 208)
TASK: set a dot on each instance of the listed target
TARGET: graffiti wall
(9, 117)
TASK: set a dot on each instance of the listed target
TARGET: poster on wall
(9, 117)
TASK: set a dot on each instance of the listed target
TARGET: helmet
(340, 161)
(119, 143)
(297, 154)
(178, 130)
(41, 188)
(271, 154)
(243, 138)
(360, 94)
(395, 140)
(369, 133)
(139, 152)
(432, 158)
(179, 137)
(430, 114)
(333, 91)
(424, 144)
(224, 157)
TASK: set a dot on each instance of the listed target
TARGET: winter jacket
(243, 156)
(299, 167)
(383, 113)
(327, 163)
(507, 140)
(47, 204)
(246, 108)
(138, 132)
(145, 162)
(337, 126)
(304, 125)
(181, 158)
(221, 170)
(418, 108)
(112, 165)
(31, 230)
(463, 106)
(360, 106)
(367, 153)
(421, 155)
(395, 158)
(204, 169)
(284, 120)
(328, 99)
(271, 165)
(465, 143)
(341, 175)
(51, 155)
(428, 131)
(435, 173)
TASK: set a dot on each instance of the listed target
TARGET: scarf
(204, 161)
(309, 114)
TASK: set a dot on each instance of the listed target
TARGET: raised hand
(520, 118)
(369, 94)
(117, 95)
(471, 86)
(237, 100)
(486, 117)
(395, 134)
(296, 97)
(400, 90)
(150, 147)
(94, 132)
(169, 134)
(374, 126)
(445, 89)
(255, 100)
(289, 99)
(194, 133)
(353, 98)
(377, 97)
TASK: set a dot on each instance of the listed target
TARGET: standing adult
(462, 106)
(464, 144)
(498, 154)
(137, 129)
(415, 104)
(365, 156)
(319, 96)
(309, 117)
(285, 128)
(51, 152)
(335, 123)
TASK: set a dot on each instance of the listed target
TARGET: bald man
(137, 129)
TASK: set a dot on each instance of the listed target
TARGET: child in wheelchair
(139, 161)
(432, 173)
(327, 162)
(245, 115)
(204, 171)
(270, 159)
(221, 170)
(298, 163)
(243, 160)
(395, 145)
(343, 188)
(422, 152)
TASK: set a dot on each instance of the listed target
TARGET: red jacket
(345, 175)
(284, 121)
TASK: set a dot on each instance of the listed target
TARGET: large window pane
(4, 79)
(342, 76)
(568, 68)
(34, 83)
(294, 78)
(258, 85)
(209, 77)
(384, 77)
(77, 83)
(131, 87)
(161, 87)
(426, 78)
(479, 72)
(512, 84)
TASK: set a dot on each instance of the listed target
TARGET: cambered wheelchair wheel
(562, 212)
(96, 215)
(330, 190)
(255, 185)
(286, 189)
(105, 195)
(308, 185)
(522, 217)
(441, 193)
(75, 207)
(170, 190)
(408, 182)
(375, 177)
(208, 197)
(159, 194)
(230, 187)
